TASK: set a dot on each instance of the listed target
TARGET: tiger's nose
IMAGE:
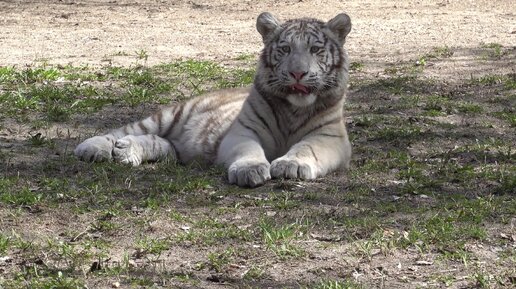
(297, 75)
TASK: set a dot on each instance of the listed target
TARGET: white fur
(302, 100)
(253, 132)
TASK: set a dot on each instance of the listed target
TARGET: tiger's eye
(285, 49)
(314, 49)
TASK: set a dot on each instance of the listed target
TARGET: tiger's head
(303, 60)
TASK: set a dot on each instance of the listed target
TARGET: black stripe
(314, 34)
(177, 115)
(260, 117)
(270, 102)
(331, 135)
(143, 127)
(332, 121)
(248, 127)
(154, 144)
(313, 152)
(213, 155)
(159, 117)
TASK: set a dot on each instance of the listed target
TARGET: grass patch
(62, 92)
(279, 238)
(493, 50)
(336, 284)
(432, 177)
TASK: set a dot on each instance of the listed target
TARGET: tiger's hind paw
(128, 150)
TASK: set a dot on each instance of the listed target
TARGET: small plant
(248, 57)
(22, 196)
(4, 243)
(356, 66)
(37, 140)
(335, 284)
(482, 280)
(253, 273)
(152, 246)
(438, 52)
(218, 261)
(279, 239)
(421, 61)
(494, 50)
(142, 55)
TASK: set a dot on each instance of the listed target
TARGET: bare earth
(100, 33)
(97, 32)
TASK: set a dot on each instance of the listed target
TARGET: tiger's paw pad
(249, 173)
(128, 150)
(95, 149)
(292, 169)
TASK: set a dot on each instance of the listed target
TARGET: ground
(429, 201)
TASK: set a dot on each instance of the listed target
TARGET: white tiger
(289, 124)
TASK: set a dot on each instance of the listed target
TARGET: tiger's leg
(100, 148)
(241, 153)
(134, 149)
(314, 156)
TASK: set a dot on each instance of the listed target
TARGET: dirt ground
(101, 32)
(114, 32)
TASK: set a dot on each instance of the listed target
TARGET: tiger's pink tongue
(299, 87)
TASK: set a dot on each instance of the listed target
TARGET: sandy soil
(99, 32)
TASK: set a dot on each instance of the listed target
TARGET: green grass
(4, 243)
(356, 66)
(493, 50)
(335, 284)
(280, 238)
(64, 91)
(432, 177)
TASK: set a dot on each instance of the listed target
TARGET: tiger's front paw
(249, 173)
(128, 150)
(291, 168)
(95, 149)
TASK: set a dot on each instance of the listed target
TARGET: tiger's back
(199, 125)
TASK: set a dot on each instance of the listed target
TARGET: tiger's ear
(340, 25)
(266, 24)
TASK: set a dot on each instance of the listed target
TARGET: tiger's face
(302, 59)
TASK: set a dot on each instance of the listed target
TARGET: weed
(494, 50)
(279, 238)
(246, 57)
(53, 280)
(155, 247)
(356, 66)
(4, 243)
(335, 284)
(7, 74)
(37, 140)
(23, 196)
(218, 261)
(482, 280)
(440, 52)
(508, 81)
(142, 54)
(253, 273)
